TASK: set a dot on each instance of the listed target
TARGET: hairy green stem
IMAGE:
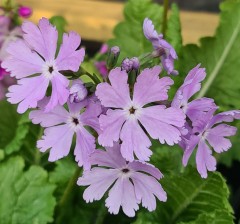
(164, 19)
(101, 214)
(67, 195)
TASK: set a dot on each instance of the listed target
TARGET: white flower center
(133, 111)
(74, 122)
(125, 172)
(49, 68)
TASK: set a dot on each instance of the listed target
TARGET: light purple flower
(7, 35)
(130, 183)
(191, 85)
(208, 131)
(78, 91)
(122, 120)
(35, 56)
(103, 49)
(61, 125)
(161, 46)
(102, 68)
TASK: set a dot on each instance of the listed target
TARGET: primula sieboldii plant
(112, 122)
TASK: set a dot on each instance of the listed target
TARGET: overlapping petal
(27, 92)
(163, 123)
(204, 159)
(42, 38)
(58, 139)
(149, 88)
(134, 141)
(69, 58)
(22, 62)
(115, 95)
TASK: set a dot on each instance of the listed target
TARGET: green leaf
(173, 34)
(62, 173)
(217, 217)
(60, 23)
(26, 196)
(189, 197)
(20, 135)
(166, 158)
(13, 128)
(220, 56)
(129, 33)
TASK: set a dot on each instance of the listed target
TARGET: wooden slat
(94, 20)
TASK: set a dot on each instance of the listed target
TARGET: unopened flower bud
(129, 65)
(24, 11)
(136, 63)
(78, 92)
(113, 55)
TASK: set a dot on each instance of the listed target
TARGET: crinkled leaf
(173, 34)
(220, 56)
(13, 128)
(129, 33)
(21, 132)
(26, 196)
(62, 174)
(217, 217)
(189, 196)
(166, 158)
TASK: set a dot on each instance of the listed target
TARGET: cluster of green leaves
(35, 191)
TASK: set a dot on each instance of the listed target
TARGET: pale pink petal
(149, 88)
(149, 31)
(122, 194)
(100, 180)
(90, 116)
(22, 62)
(146, 168)
(42, 38)
(69, 58)
(111, 126)
(58, 139)
(192, 83)
(199, 107)
(109, 158)
(117, 94)
(227, 116)
(60, 91)
(134, 141)
(145, 188)
(216, 137)
(85, 146)
(75, 108)
(162, 123)
(204, 159)
(27, 92)
(191, 144)
(13, 35)
(56, 116)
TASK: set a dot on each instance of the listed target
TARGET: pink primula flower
(130, 183)
(61, 125)
(126, 114)
(33, 61)
(209, 132)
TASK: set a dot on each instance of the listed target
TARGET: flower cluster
(9, 31)
(122, 113)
